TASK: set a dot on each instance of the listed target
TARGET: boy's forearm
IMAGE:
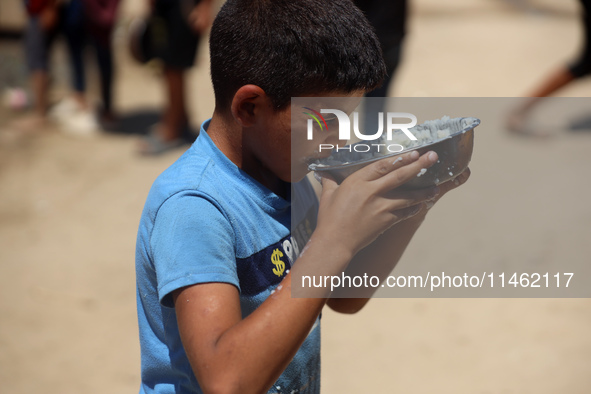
(383, 254)
(377, 259)
(257, 350)
(250, 355)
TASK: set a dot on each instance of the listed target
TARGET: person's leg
(376, 101)
(37, 43)
(175, 118)
(104, 56)
(74, 32)
(553, 83)
(517, 119)
(172, 131)
(556, 80)
(178, 56)
(40, 87)
(36, 55)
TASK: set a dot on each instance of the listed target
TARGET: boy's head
(292, 48)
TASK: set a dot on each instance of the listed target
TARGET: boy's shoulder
(202, 171)
(205, 173)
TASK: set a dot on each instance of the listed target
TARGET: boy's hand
(449, 185)
(444, 188)
(367, 203)
(383, 254)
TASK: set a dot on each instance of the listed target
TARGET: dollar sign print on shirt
(276, 260)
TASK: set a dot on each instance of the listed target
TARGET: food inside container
(451, 139)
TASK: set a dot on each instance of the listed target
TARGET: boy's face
(284, 146)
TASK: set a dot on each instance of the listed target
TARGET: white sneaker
(80, 124)
(64, 109)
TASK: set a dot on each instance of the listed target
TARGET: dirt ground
(69, 210)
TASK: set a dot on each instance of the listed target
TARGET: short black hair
(291, 48)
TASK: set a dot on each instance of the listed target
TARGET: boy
(213, 315)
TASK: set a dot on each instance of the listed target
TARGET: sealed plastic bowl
(454, 151)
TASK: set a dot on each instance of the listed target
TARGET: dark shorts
(171, 38)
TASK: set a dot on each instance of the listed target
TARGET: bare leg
(35, 122)
(40, 86)
(175, 118)
(80, 100)
(169, 133)
(555, 81)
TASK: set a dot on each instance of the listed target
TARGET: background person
(178, 24)
(47, 20)
(388, 17)
(101, 16)
(563, 76)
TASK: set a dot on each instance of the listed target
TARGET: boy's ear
(248, 103)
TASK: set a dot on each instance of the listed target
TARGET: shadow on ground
(581, 125)
(137, 122)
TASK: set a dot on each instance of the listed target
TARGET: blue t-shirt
(206, 220)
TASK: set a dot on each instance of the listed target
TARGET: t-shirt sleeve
(192, 242)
